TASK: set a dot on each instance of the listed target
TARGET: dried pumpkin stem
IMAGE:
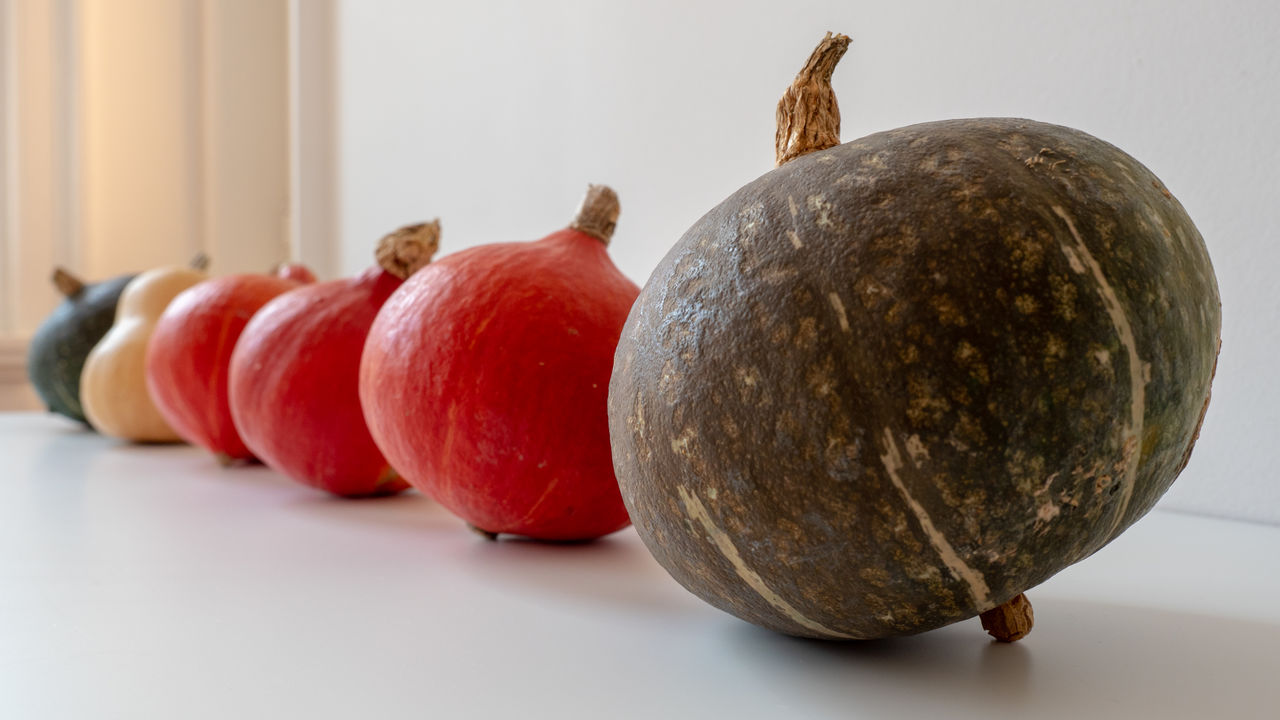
(200, 262)
(69, 285)
(808, 115)
(1011, 621)
(409, 249)
(598, 214)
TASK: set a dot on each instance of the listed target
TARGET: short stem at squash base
(598, 214)
(409, 249)
(1011, 621)
(808, 115)
(69, 285)
(487, 535)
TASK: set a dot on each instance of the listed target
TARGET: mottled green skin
(61, 344)
(976, 360)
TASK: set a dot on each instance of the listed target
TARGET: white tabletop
(148, 582)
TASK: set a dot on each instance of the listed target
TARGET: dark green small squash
(894, 383)
(60, 345)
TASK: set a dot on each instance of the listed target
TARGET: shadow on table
(613, 571)
(1082, 660)
(408, 510)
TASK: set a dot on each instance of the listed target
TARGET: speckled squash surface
(56, 355)
(892, 384)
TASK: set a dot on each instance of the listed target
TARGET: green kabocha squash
(60, 345)
(894, 383)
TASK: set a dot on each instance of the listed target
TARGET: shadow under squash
(613, 571)
(1081, 660)
(408, 510)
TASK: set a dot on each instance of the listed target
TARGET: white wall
(495, 115)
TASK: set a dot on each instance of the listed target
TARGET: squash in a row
(484, 380)
(113, 386)
(293, 376)
(894, 383)
(189, 355)
(60, 346)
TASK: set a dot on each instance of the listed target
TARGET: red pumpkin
(294, 374)
(296, 272)
(485, 378)
(189, 354)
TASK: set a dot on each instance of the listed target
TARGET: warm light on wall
(137, 132)
(140, 135)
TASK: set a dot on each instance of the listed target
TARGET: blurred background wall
(265, 129)
(134, 134)
(138, 132)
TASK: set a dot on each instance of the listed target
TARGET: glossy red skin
(298, 273)
(295, 386)
(189, 354)
(485, 380)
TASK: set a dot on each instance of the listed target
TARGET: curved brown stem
(409, 249)
(598, 214)
(1011, 621)
(200, 262)
(808, 115)
(69, 285)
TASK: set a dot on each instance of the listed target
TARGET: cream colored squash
(113, 386)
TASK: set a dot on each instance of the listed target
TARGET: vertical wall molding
(69, 246)
(246, 126)
(40, 156)
(8, 170)
(313, 124)
(38, 190)
(195, 108)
